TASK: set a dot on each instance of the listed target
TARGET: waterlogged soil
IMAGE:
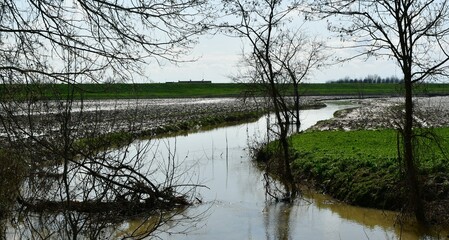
(139, 117)
(132, 116)
(380, 113)
(171, 115)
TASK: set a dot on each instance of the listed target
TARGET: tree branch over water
(72, 42)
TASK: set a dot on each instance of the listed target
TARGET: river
(234, 205)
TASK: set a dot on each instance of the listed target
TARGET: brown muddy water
(234, 205)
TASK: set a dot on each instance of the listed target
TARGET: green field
(362, 167)
(186, 90)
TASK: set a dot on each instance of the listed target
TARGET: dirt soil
(142, 117)
(103, 116)
(377, 113)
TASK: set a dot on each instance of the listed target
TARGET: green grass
(126, 91)
(362, 167)
(349, 144)
(161, 90)
(183, 90)
(351, 89)
(364, 89)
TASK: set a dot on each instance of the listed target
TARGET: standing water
(233, 206)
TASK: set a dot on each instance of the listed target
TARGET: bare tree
(415, 35)
(108, 37)
(297, 55)
(71, 168)
(78, 177)
(277, 59)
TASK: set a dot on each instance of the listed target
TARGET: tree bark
(409, 159)
(297, 120)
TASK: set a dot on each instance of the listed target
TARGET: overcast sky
(218, 58)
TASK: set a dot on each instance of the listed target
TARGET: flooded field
(380, 113)
(230, 201)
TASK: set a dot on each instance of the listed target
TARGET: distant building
(190, 81)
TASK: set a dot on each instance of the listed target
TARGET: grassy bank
(362, 167)
(359, 167)
(186, 90)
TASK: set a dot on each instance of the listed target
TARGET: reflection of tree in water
(88, 226)
(373, 218)
(99, 206)
(277, 221)
(72, 184)
(49, 216)
(76, 184)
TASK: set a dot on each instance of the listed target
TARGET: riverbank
(354, 156)
(361, 168)
(134, 117)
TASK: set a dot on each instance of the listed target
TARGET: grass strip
(362, 167)
(197, 90)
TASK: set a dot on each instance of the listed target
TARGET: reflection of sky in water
(235, 202)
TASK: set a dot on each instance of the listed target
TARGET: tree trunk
(288, 176)
(409, 161)
(279, 109)
(297, 121)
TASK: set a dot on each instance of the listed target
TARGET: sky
(218, 58)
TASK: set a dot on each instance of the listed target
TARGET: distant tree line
(368, 79)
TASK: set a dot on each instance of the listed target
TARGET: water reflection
(277, 221)
(233, 205)
(236, 199)
(374, 219)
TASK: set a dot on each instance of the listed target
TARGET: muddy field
(157, 113)
(151, 116)
(375, 113)
(134, 116)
